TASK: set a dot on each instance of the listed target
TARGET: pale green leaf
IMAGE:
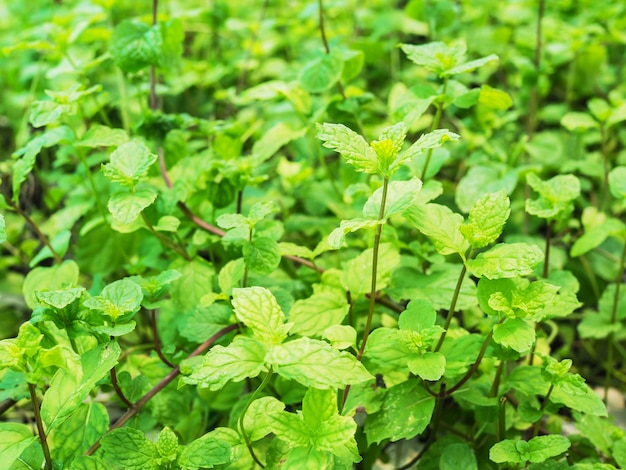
(216, 448)
(15, 438)
(272, 140)
(538, 449)
(429, 366)
(617, 182)
(126, 205)
(262, 255)
(129, 448)
(431, 140)
(357, 275)
(400, 195)
(194, 283)
(494, 98)
(316, 364)
(60, 243)
(241, 359)
(258, 420)
(555, 195)
(514, 333)
(103, 136)
(435, 56)
(61, 298)
(576, 121)
(406, 411)
(312, 316)
(486, 219)
(43, 113)
(52, 278)
(3, 233)
(321, 73)
(258, 309)
(506, 260)
(167, 445)
(456, 456)
(118, 300)
(439, 224)
(167, 223)
(595, 236)
(470, 66)
(340, 336)
(350, 145)
(578, 396)
(129, 163)
(418, 315)
(90, 462)
(337, 236)
(261, 210)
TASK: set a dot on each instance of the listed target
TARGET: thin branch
(157, 341)
(57, 258)
(42, 433)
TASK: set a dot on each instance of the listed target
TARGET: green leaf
(81, 430)
(494, 98)
(617, 182)
(52, 278)
(429, 366)
(337, 236)
(88, 463)
(68, 390)
(514, 333)
(243, 358)
(577, 395)
(357, 275)
(470, 66)
(506, 260)
(103, 136)
(212, 449)
(456, 456)
(312, 316)
(442, 59)
(400, 195)
(441, 225)
(316, 364)
(119, 300)
(259, 418)
(418, 315)
(431, 140)
(262, 255)
(258, 309)
(322, 73)
(43, 113)
(129, 163)
(272, 140)
(516, 297)
(406, 411)
(340, 336)
(14, 439)
(203, 322)
(129, 448)
(60, 243)
(575, 121)
(538, 449)
(352, 147)
(194, 283)
(555, 195)
(3, 233)
(595, 236)
(125, 205)
(167, 445)
(486, 219)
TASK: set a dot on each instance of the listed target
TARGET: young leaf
(316, 364)
(514, 333)
(337, 236)
(312, 316)
(486, 219)
(119, 300)
(429, 366)
(126, 205)
(103, 136)
(555, 195)
(350, 145)
(400, 195)
(441, 225)
(216, 448)
(538, 449)
(129, 448)
(257, 308)
(244, 357)
(262, 255)
(322, 73)
(406, 411)
(129, 163)
(431, 140)
(617, 182)
(259, 418)
(506, 260)
(15, 438)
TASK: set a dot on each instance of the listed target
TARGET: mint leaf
(3, 233)
(494, 98)
(260, 415)
(352, 147)
(312, 316)
(244, 357)
(103, 136)
(194, 283)
(322, 73)
(457, 456)
(119, 300)
(262, 255)
(429, 366)
(406, 411)
(167, 445)
(83, 462)
(126, 205)
(538, 449)
(555, 195)
(514, 333)
(506, 260)
(441, 225)
(213, 449)
(337, 236)
(15, 438)
(61, 298)
(316, 364)
(400, 195)
(357, 275)
(271, 142)
(471, 65)
(43, 113)
(431, 140)
(486, 219)
(129, 163)
(129, 448)
(258, 309)
(617, 182)
(576, 121)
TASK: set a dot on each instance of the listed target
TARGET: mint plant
(244, 236)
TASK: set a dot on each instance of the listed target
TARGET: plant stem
(605, 163)
(474, 367)
(164, 240)
(435, 125)
(455, 297)
(42, 434)
(496, 380)
(611, 338)
(546, 259)
(157, 342)
(139, 404)
(501, 423)
(33, 225)
(243, 414)
(372, 300)
(543, 407)
(118, 390)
